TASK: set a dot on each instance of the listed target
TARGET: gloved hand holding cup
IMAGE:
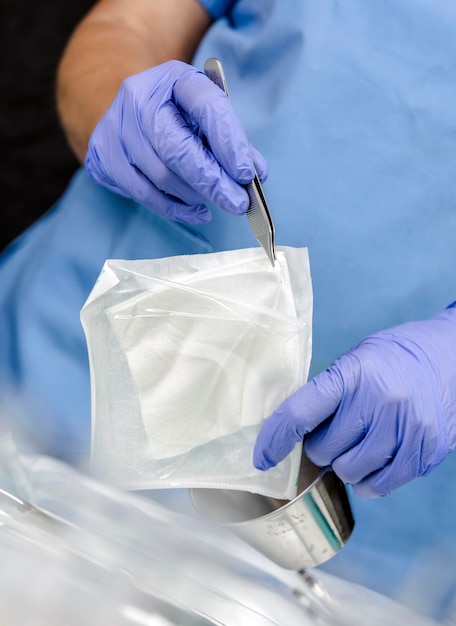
(381, 415)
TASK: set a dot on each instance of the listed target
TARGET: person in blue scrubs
(351, 108)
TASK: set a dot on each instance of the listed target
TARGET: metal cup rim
(287, 503)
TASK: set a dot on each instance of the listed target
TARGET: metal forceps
(258, 213)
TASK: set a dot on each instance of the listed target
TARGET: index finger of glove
(209, 107)
(184, 153)
(301, 413)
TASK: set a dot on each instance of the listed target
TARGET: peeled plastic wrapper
(188, 355)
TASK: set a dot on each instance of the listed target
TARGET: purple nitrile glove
(381, 415)
(148, 146)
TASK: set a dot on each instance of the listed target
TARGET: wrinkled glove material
(172, 142)
(381, 415)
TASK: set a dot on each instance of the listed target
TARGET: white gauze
(210, 354)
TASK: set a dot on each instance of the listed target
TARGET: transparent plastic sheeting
(84, 554)
(188, 355)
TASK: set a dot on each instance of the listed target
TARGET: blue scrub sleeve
(217, 8)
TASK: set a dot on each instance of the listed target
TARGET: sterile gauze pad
(188, 356)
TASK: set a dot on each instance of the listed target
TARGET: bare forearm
(116, 39)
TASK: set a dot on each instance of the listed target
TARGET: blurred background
(36, 160)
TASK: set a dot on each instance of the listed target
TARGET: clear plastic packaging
(83, 553)
(188, 355)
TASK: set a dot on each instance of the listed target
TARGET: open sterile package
(188, 355)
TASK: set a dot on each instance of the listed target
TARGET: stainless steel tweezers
(258, 213)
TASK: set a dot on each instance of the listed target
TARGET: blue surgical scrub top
(353, 104)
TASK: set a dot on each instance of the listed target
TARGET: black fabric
(36, 162)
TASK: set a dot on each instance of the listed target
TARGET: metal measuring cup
(295, 534)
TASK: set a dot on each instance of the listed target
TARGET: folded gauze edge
(214, 342)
